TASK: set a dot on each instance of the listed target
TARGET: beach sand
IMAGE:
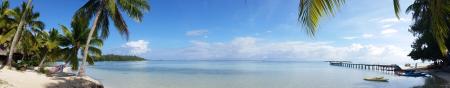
(32, 79)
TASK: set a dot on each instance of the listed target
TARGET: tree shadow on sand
(74, 83)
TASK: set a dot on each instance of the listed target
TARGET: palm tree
(73, 40)
(6, 23)
(311, 11)
(48, 44)
(106, 10)
(25, 18)
(425, 46)
(3, 8)
(4, 20)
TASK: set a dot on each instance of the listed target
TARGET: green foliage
(25, 64)
(112, 10)
(10, 18)
(311, 11)
(427, 46)
(74, 40)
(112, 57)
(31, 43)
(105, 11)
(37, 45)
(48, 45)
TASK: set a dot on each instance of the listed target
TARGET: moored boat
(413, 73)
(380, 79)
(420, 74)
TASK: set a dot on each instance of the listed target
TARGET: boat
(379, 79)
(415, 74)
(412, 73)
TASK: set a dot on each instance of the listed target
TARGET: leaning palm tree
(311, 11)
(28, 44)
(73, 40)
(48, 44)
(24, 17)
(105, 10)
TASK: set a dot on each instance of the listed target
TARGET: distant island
(112, 57)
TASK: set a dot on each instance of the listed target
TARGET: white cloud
(367, 35)
(349, 37)
(137, 47)
(197, 33)
(249, 48)
(393, 20)
(389, 31)
(386, 26)
(389, 20)
(244, 41)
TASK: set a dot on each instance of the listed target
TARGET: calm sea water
(244, 74)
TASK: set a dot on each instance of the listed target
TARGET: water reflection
(243, 74)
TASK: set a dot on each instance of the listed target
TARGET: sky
(364, 31)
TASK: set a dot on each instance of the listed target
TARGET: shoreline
(440, 74)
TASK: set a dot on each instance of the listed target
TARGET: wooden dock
(379, 67)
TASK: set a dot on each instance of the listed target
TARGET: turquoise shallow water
(243, 74)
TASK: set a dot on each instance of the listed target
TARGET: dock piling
(377, 67)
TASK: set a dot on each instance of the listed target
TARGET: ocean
(246, 74)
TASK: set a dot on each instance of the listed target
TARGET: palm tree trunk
(43, 60)
(82, 71)
(16, 36)
(66, 63)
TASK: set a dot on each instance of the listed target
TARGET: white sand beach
(32, 79)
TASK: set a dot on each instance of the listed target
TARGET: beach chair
(56, 69)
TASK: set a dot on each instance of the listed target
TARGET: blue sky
(363, 30)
